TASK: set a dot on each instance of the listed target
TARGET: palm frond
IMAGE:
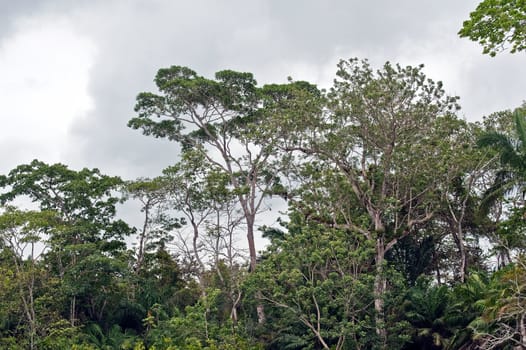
(520, 125)
(504, 145)
(512, 155)
(503, 184)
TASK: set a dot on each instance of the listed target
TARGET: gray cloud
(272, 39)
(11, 11)
(494, 84)
(142, 40)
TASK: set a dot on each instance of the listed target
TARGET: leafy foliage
(379, 246)
(497, 23)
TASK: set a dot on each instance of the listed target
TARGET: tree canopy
(397, 224)
(497, 25)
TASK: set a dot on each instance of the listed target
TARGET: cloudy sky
(70, 70)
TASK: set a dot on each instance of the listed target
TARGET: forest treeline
(401, 225)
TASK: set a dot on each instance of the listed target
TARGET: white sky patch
(44, 69)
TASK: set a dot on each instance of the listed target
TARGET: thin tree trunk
(140, 254)
(72, 315)
(463, 262)
(27, 301)
(379, 291)
(522, 326)
(260, 309)
(235, 303)
(458, 237)
(30, 313)
(251, 244)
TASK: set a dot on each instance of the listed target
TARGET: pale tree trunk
(379, 291)
(235, 303)
(73, 302)
(458, 237)
(140, 253)
(72, 313)
(27, 297)
(251, 244)
(29, 308)
(463, 262)
(260, 309)
(236, 299)
(522, 326)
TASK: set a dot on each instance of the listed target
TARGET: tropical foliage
(397, 225)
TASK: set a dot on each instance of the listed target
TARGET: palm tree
(425, 308)
(465, 308)
(511, 177)
(509, 184)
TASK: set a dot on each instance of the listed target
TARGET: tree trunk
(260, 309)
(72, 313)
(233, 310)
(261, 312)
(29, 309)
(379, 291)
(27, 301)
(458, 237)
(251, 244)
(522, 326)
(463, 262)
(140, 254)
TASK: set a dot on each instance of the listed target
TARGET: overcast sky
(70, 70)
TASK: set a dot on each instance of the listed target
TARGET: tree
(388, 133)
(164, 286)
(426, 309)
(503, 200)
(86, 228)
(199, 327)
(234, 125)
(315, 284)
(495, 24)
(413, 256)
(205, 198)
(468, 166)
(200, 194)
(231, 116)
(153, 194)
(503, 320)
(22, 233)
(512, 156)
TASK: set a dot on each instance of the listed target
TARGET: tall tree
(386, 133)
(199, 193)
(234, 125)
(467, 168)
(207, 200)
(502, 206)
